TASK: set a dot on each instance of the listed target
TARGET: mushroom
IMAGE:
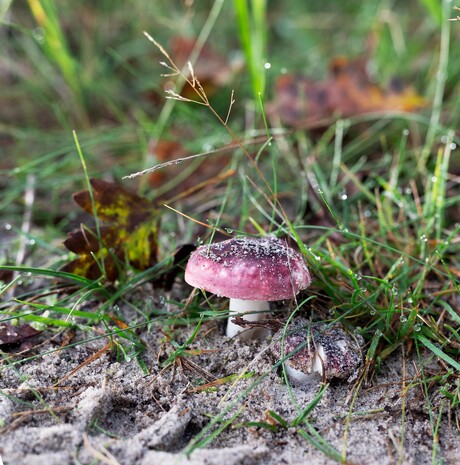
(327, 352)
(251, 272)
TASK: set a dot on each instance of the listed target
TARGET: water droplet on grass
(417, 327)
(316, 257)
(423, 238)
(38, 33)
(403, 318)
(267, 65)
(343, 196)
(8, 226)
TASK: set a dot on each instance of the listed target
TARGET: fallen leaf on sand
(127, 234)
(348, 91)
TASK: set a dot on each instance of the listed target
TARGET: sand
(110, 411)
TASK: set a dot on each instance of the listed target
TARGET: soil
(110, 411)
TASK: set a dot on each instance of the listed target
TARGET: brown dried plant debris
(127, 233)
(348, 91)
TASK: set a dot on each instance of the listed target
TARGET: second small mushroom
(251, 272)
(319, 351)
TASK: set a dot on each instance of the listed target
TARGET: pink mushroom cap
(248, 268)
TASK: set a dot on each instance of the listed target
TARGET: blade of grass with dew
(56, 48)
(441, 77)
(252, 22)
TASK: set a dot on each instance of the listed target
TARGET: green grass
(371, 201)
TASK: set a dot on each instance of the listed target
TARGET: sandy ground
(111, 412)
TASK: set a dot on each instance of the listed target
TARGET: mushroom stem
(245, 309)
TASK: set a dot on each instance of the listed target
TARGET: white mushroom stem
(250, 310)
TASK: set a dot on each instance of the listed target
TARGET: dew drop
(343, 196)
(229, 230)
(38, 34)
(378, 333)
(405, 132)
(372, 312)
(367, 213)
(410, 300)
(358, 276)
(320, 191)
(30, 241)
(331, 311)
(394, 290)
(453, 146)
(316, 257)
(417, 327)
(403, 318)
(363, 290)
(162, 300)
(434, 178)
(423, 238)
(267, 65)
(408, 191)
(8, 226)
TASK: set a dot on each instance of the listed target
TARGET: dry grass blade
(102, 455)
(93, 357)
